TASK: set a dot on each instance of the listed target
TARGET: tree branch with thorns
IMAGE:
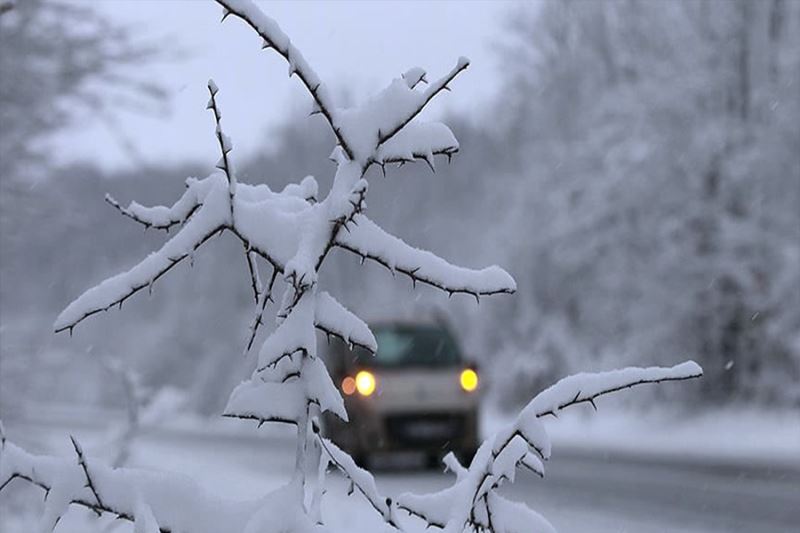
(293, 232)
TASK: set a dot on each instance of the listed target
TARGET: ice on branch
(369, 241)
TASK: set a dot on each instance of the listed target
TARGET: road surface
(583, 492)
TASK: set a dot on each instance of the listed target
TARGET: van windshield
(400, 346)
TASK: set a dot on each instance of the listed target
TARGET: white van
(416, 393)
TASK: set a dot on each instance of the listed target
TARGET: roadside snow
(727, 435)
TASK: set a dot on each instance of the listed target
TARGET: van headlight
(365, 383)
(348, 385)
(469, 379)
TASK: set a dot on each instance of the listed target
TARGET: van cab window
(404, 346)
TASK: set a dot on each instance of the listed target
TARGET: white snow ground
(721, 472)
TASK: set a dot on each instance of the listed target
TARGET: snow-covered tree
(57, 60)
(656, 144)
(292, 232)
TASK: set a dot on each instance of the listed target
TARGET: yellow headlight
(469, 380)
(365, 383)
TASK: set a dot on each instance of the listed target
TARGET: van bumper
(437, 432)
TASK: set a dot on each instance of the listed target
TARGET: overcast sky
(357, 47)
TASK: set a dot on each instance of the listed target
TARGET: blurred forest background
(639, 176)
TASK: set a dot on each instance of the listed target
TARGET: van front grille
(428, 429)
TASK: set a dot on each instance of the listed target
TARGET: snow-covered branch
(85, 467)
(362, 131)
(392, 125)
(372, 125)
(212, 217)
(273, 37)
(166, 503)
(160, 217)
(359, 478)
(472, 502)
(293, 230)
(225, 164)
(367, 240)
(264, 297)
(418, 140)
(586, 387)
(334, 319)
(255, 278)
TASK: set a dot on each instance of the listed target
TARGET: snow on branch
(362, 130)
(85, 467)
(392, 126)
(276, 39)
(267, 402)
(359, 478)
(367, 240)
(161, 217)
(473, 503)
(287, 399)
(378, 120)
(334, 319)
(225, 164)
(433, 508)
(293, 232)
(267, 223)
(170, 502)
(506, 516)
(264, 297)
(255, 277)
(418, 140)
(294, 334)
(585, 387)
(212, 216)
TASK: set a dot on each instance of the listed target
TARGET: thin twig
(299, 67)
(89, 482)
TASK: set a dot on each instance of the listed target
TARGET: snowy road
(581, 493)
(640, 496)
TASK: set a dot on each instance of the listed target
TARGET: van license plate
(428, 429)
